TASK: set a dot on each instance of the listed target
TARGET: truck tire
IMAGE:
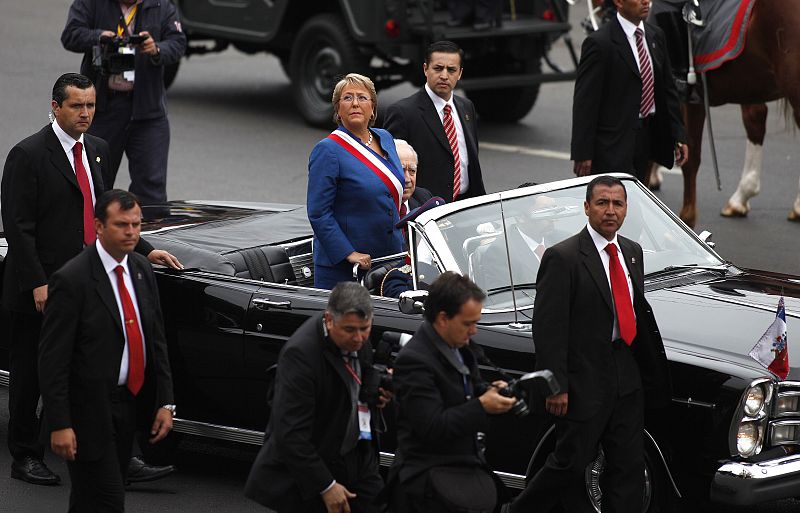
(504, 105)
(170, 72)
(323, 52)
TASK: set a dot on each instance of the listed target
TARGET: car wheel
(170, 72)
(322, 54)
(656, 496)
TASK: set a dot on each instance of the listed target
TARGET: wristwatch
(170, 408)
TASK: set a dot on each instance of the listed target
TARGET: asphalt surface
(237, 136)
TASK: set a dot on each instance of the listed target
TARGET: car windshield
(493, 242)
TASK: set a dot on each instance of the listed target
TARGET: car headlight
(748, 439)
(754, 401)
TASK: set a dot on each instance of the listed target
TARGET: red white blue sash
(374, 163)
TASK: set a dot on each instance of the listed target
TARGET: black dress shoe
(140, 472)
(33, 470)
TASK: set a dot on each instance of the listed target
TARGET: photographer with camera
(320, 446)
(442, 405)
(126, 44)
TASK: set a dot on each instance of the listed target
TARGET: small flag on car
(772, 350)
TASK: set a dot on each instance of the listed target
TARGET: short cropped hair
(444, 47)
(448, 293)
(608, 181)
(356, 80)
(66, 80)
(127, 200)
(402, 143)
(349, 297)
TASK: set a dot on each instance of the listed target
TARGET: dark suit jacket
(573, 319)
(310, 414)
(81, 348)
(436, 424)
(608, 91)
(418, 198)
(42, 209)
(415, 120)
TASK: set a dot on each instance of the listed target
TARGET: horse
(767, 69)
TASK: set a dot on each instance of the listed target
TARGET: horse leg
(794, 213)
(693, 117)
(754, 117)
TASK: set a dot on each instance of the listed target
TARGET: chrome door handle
(266, 304)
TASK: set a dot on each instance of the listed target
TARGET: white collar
(601, 242)
(438, 102)
(66, 140)
(629, 27)
(109, 262)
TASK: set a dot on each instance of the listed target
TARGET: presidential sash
(373, 163)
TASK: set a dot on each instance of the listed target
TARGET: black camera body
(378, 376)
(515, 390)
(114, 55)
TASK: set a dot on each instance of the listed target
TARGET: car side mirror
(705, 236)
(413, 301)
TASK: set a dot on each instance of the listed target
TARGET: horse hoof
(793, 216)
(655, 187)
(733, 211)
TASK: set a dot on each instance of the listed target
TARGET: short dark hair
(444, 47)
(127, 200)
(608, 181)
(448, 293)
(66, 80)
(348, 297)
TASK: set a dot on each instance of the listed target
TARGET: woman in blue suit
(355, 185)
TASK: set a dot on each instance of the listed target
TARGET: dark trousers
(24, 426)
(641, 155)
(618, 426)
(358, 472)
(98, 485)
(144, 142)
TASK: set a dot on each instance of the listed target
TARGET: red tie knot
(77, 149)
(120, 271)
(611, 248)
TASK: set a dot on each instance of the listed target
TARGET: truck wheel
(170, 72)
(504, 105)
(322, 54)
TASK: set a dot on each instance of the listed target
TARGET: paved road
(236, 135)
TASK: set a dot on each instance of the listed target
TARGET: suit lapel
(431, 118)
(95, 166)
(58, 158)
(595, 267)
(655, 52)
(623, 47)
(629, 254)
(467, 124)
(103, 287)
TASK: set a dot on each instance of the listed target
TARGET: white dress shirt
(109, 264)
(439, 104)
(600, 243)
(67, 142)
(630, 29)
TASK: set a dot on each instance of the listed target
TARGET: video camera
(115, 55)
(378, 375)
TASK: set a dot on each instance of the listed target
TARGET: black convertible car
(732, 432)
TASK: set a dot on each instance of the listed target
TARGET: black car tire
(170, 72)
(657, 486)
(323, 53)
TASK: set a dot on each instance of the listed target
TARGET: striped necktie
(646, 72)
(450, 131)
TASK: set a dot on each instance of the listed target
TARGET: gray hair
(354, 79)
(402, 142)
(350, 298)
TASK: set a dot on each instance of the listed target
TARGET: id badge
(364, 416)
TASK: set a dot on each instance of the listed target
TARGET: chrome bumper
(745, 483)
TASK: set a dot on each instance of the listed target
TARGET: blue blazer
(349, 207)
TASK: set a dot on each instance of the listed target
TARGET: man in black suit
(320, 447)
(48, 217)
(439, 125)
(595, 330)
(103, 364)
(625, 111)
(442, 400)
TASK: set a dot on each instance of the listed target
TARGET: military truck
(318, 41)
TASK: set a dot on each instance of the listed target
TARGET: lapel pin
(466, 117)
(138, 276)
(633, 260)
(97, 160)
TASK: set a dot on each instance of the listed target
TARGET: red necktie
(646, 71)
(135, 348)
(86, 190)
(622, 297)
(450, 131)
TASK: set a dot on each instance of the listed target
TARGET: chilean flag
(772, 350)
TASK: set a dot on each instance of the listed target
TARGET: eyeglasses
(349, 98)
